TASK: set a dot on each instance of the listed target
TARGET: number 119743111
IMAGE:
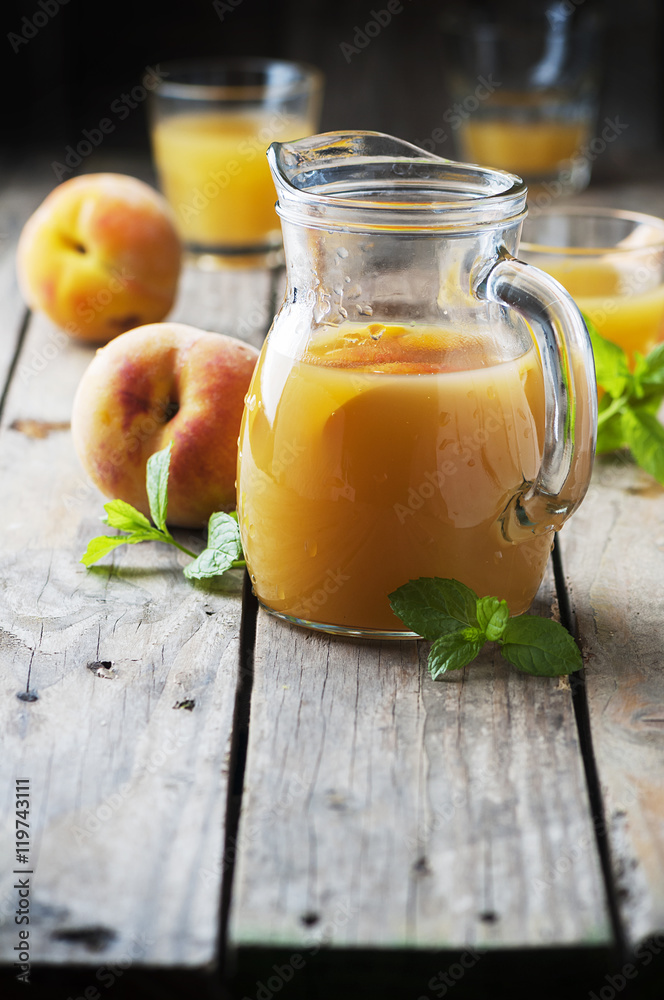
(22, 820)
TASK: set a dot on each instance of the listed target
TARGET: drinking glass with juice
(400, 422)
(211, 126)
(612, 264)
(538, 136)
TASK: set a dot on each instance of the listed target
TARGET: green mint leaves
(156, 482)
(627, 412)
(224, 548)
(458, 623)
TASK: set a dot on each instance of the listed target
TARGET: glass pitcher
(424, 404)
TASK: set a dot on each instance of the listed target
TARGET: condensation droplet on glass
(322, 306)
(338, 290)
(347, 279)
(471, 463)
(252, 530)
(521, 413)
(365, 310)
(342, 252)
(311, 548)
(250, 401)
(343, 312)
(253, 578)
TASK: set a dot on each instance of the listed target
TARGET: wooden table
(232, 802)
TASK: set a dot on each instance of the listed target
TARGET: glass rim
(305, 77)
(591, 212)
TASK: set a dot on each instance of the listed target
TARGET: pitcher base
(361, 633)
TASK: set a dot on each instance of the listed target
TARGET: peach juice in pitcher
(424, 404)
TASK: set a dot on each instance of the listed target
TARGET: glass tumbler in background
(612, 264)
(211, 123)
(524, 92)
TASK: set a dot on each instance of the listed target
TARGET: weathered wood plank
(21, 193)
(235, 302)
(128, 791)
(383, 810)
(613, 555)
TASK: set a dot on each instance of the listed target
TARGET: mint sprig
(224, 547)
(459, 623)
(627, 411)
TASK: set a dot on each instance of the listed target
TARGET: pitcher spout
(361, 181)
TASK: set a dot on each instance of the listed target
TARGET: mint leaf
(431, 606)
(610, 435)
(122, 515)
(627, 412)
(644, 436)
(452, 652)
(458, 623)
(492, 615)
(224, 548)
(609, 431)
(103, 544)
(540, 646)
(156, 481)
(650, 371)
(611, 365)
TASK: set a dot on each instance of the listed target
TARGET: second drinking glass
(211, 123)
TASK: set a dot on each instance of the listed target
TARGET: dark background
(65, 78)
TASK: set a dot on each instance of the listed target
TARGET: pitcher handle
(570, 417)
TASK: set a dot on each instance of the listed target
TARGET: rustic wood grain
(613, 554)
(382, 809)
(127, 759)
(20, 194)
(238, 302)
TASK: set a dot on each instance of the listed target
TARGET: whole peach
(100, 256)
(159, 383)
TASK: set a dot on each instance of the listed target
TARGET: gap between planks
(584, 729)
(242, 712)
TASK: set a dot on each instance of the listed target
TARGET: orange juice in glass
(535, 135)
(612, 264)
(211, 125)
